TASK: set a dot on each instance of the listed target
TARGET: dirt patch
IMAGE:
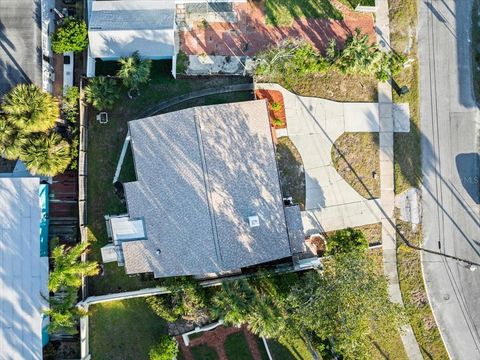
(291, 171)
(276, 107)
(356, 158)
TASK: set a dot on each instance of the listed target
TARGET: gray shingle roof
(201, 173)
(118, 28)
(295, 229)
(132, 15)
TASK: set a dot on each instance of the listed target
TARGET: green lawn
(123, 330)
(358, 167)
(385, 348)
(284, 12)
(127, 172)
(204, 352)
(354, 3)
(414, 294)
(407, 147)
(289, 349)
(104, 145)
(236, 347)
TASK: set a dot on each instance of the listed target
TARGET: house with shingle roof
(207, 200)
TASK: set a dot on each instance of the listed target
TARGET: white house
(118, 28)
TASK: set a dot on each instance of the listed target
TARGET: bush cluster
(294, 57)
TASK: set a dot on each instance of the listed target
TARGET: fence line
(83, 176)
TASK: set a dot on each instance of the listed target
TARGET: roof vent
(253, 221)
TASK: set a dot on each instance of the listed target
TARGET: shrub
(278, 122)
(182, 62)
(165, 349)
(276, 106)
(71, 35)
(70, 104)
(102, 92)
(345, 241)
(159, 306)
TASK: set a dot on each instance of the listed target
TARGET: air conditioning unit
(253, 221)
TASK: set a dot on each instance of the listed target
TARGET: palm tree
(134, 71)
(102, 92)
(359, 56)
(10, 140)
(63, 313)
(45, 154)
(30, 109)
(68, 270)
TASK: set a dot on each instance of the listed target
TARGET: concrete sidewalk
(314, 124)
(387, 187)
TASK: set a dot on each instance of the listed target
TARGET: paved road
(449, 124)
(20, 43)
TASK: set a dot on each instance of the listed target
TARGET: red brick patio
(250, 34)
(216, 338)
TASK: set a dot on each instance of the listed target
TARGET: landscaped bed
(291, 171)
(123, 329)
(356, 158)
(104, 145)
(372, 232)
(276, 107)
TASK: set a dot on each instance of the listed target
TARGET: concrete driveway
(20, 43)
(313, 126)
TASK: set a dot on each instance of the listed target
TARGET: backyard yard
(104, 144)
(231, 343)
(124, 330)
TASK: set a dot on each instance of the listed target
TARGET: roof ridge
(208, 191)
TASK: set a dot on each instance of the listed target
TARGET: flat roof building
(208, 192)
(24, 267)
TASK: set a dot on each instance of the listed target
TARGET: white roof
(24, 274)
(125, 229)
(118, 28)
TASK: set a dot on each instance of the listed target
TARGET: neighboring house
(20, 44)
(118, 28)
(207, 200)
(24, 265)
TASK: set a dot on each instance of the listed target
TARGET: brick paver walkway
(251, 34)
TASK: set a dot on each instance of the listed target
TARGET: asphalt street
(450, 160)
(20, 43)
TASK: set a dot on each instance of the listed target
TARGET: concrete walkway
(313, 126)
(387, 191)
